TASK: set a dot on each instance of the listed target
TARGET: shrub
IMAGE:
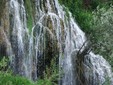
(101, 32)
(7, 78)
(51, 74)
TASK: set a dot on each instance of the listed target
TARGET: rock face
(53, 35)
(5, 46)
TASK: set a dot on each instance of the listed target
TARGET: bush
(102, 32)
(51, 74)
(7, 78)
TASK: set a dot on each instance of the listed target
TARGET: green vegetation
(95, 17)
(102, 33)
(82, 10)
(82, 15)
(3, 64)
(51, 74)
(29, 6)
(7, 78)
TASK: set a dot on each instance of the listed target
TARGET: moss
(2, 6)
(29, 12)
(49, 23)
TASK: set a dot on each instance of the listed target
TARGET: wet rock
(47, 49)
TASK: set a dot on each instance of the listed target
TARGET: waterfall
(55, 34)
(19, 39)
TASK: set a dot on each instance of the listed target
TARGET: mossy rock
(47, 49)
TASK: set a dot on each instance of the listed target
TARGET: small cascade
(55, 34)
(97, 71)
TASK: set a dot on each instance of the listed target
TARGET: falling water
(55, 33)
(19, 38)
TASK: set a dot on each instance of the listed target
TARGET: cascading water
(22, 60)
(55, 33)
(18, 29)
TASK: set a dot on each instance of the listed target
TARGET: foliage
(51, 74)
(82, 10)
(3, 64)
(82, 16)
(7, 78)
(101, 32)
(95, 17)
